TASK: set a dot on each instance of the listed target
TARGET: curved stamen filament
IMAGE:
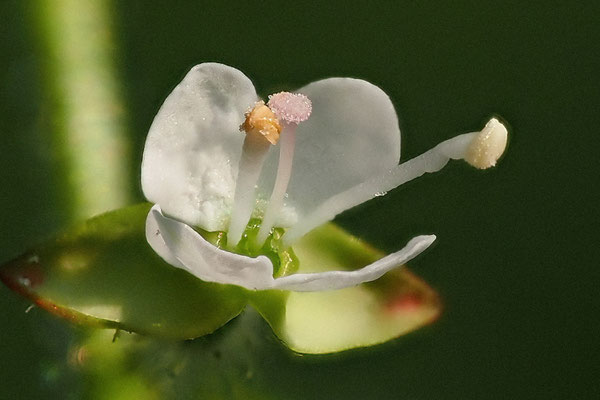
(253, 155)
(284, 171)
(487, 145)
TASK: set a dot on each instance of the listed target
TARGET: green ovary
(285, 262)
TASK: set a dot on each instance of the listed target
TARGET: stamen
(262, 129)
(292, 108)
(488, 145)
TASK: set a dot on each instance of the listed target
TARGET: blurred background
(516, 261)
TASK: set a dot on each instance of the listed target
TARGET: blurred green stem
(89, 133)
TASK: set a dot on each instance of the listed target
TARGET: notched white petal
(184, 248)
(334, 280)
(205, 261)
(194, 145)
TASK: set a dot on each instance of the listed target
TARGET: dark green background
(516, 260)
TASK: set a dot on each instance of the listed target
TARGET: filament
(253, 155)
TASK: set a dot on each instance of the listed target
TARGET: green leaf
(327, 322)
(104, 273)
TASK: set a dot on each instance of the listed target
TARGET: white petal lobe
(352, 134)
(207, 262)
(156, 241)
(334, 280)
(211, 264)
(194, 145)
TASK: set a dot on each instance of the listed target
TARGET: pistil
(262, 129)
(284, 171)
(291, 108)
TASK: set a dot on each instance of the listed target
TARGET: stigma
(290, 107)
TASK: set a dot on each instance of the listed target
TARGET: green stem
(89, 133)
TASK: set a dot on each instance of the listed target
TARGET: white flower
(201, 171)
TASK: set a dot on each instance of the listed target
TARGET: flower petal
(202, 259)
(156, 241)
(194, 145)
(334, 280)
(351, 135)
(183, 247)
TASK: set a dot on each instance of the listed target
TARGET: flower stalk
(90, 138)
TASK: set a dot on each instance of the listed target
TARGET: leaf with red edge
(103, 273)
(365, 315)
